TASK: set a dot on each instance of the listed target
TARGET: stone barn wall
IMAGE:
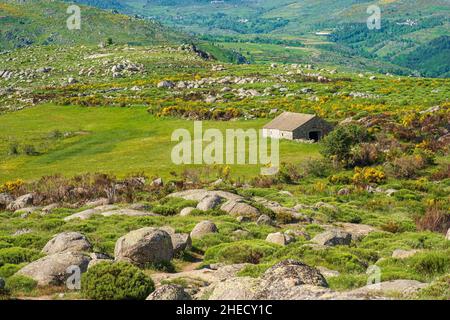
(314, 125)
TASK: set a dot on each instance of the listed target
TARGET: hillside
(407, 26)
(44, 23)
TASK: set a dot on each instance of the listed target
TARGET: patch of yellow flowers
(368, 175)
(11, 186)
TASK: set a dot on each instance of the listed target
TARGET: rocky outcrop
(21, 202)
(209, 202)
(238, 288)
(169, 292)
(54, 269)
(203, 228)
(107, 211)
(333, 238)
(5, 200)
(67, 241)
(144, 246)
(239, 208)
(264, 220)
(402, 287)
(200, 194)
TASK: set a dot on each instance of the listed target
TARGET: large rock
(54, 269)
(209, 202)
(21, 202)
(236, 288)
(186, 211)
(67, 241)
(144, 246)
(279, 238)
(203, 228)
(169, 292)
(264, 220)
(239, 208)
(181, 242)
(284, 278)
(333, 238)
(5, 200)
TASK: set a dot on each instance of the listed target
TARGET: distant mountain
(408, 26)
(45, 22)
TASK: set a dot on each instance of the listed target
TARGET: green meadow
(71, 140)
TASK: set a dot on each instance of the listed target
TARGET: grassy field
(106, 139)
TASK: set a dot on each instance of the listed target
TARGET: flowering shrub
(368, 175)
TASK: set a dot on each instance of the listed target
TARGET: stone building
(297, 126)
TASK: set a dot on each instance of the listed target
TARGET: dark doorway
(314, 135)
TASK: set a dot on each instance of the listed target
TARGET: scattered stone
(333, 238)
(166, 84)
(98, 202)
(186, 211)
(72, 81)
(199, 194)
(144, 246)
(98, 258)
(264, 220)
(157, 183)
(243, 219)
(240, 233)
(344, 192)
(55, 269)
(448, 234)
(327, 273)
(390, 192)
(279, 238)
(22, 232)
(67, 241)
(403, 254)
(25, 212)
(203, 228)
(169, 292)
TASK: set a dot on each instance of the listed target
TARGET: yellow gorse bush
(11, 186)
(368, 175)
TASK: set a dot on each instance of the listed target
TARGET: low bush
(249, 251)
(16, 255)
(116, 281)
(20, 284)
(436, 219)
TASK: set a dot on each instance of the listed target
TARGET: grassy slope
(116, 140)
(44, 22)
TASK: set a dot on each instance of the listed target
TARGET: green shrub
(347, 281)
(16, 255)
(116, 281)
(338, 143)
(8, 270)
(438, 289)
(20, 284)
(249, 251)
(431, 263)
